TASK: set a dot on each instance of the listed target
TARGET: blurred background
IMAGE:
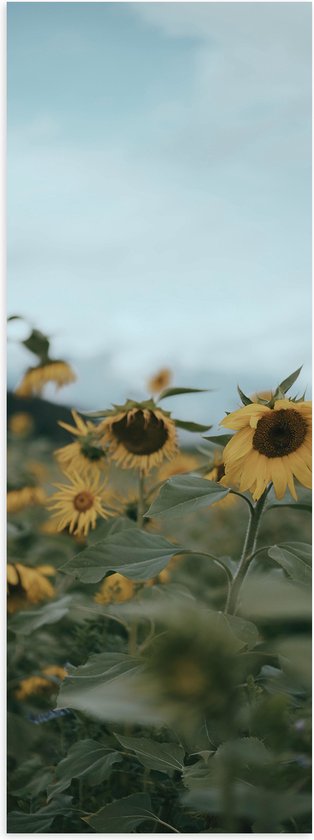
(159, 195)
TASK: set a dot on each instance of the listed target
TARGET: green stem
(248, 551)
(141, 500)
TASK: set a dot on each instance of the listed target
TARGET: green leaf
(266, 806)
(107, 688)
(20, 822)
(268, 597)
(30, 778)
(286, 384)
(190, 427)
(103, 412)
(174, 392)
(246, 400)
(26, 622)
(38, 344)
(295, 558)
(134, 553)
(165, 757)
(293, 505)
(185, 493)
(121, 816)
(88, 760)
(296, 658)
(219, 440)
(244, 630)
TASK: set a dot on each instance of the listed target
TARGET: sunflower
(86, 451)
(78, 503)
(139, 436)
(27, 585)
(24, 497)
(217, 473)
(271, 445)
(181, 463)
(160, 381)
(37, 377)
(53, 675)
(21, 424)
(115, 589)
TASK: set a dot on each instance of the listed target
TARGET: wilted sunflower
(21, 423)
(28, 585)
(181, 463)
(160, 381)
(86, 451)
(138, 436)
(271, 445)
(78, 503)
(115, 589)
(41, 684)
(24, 497)
(37, 377)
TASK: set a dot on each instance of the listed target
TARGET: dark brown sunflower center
(279, 433)
(90, 450)
(83, 501)
(139, 434)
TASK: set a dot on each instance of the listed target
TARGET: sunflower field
(159, 612)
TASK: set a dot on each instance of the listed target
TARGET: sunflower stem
(141, 500)
(247, 553)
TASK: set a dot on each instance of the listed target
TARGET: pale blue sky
(159, 189)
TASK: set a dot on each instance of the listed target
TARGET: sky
(159, 192)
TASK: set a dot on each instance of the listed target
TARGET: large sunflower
(271, 445)
(139, 437)
(78, 504)
(86, 451)
(37, 377)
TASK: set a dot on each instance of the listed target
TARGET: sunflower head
(159, 381)
(272, 444)
(21, 424)
(45, 684)
(52, 370)
(77, 504)
(28, 585)
(139, 435)
(86, 451)
(24, 497)
(115, 589)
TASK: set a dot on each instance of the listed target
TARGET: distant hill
(45, 415)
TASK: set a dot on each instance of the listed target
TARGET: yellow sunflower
(28, 585)
(181, 463)
(86, 451)
(41, 685)
(217, 473)
(25, 497)
(139, 437)
(78, 504)
(37, 377)
(21, 423)
(160, 381)
(270, 445)
(115, 589)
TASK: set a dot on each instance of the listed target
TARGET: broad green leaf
(184, 494)
(174, 392)
(108, 687)
(246, 400)
(244, 630)
(121, 816)
(296, 658)
(40, 821)
(295, 558)
(110, 527)
(30, 778)
(164, 757)
(244, 752)
(268, 597)
(286, 384)
(219, 440)
(88, 760)
(26, 622)
(132, 552)
(189, 426)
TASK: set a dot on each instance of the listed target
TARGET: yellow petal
(241, 418)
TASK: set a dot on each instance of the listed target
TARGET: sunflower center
(140, 435)
(83, 501)
(89, 450)
(279, 433)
